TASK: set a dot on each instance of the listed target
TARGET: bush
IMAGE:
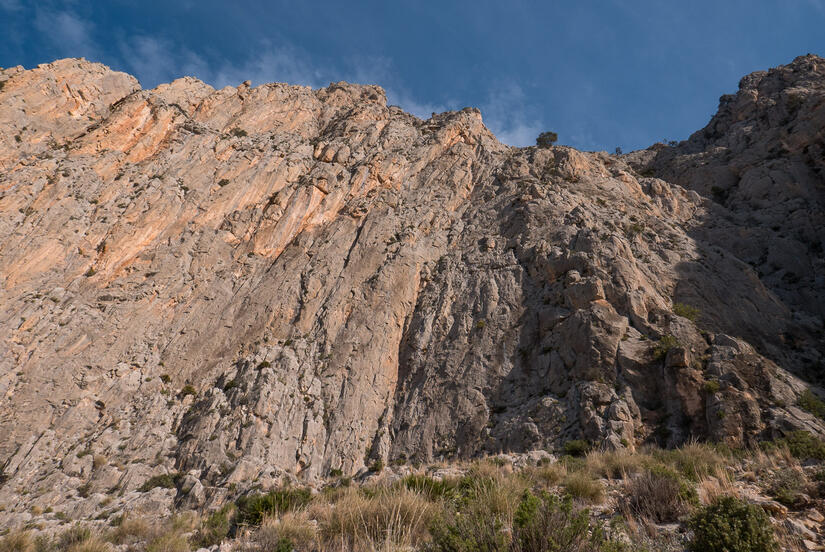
(810, 402)
(666, 343)
(730, 525)
(786, 485)
(546, 139)
(804, 446)
(542, 523)
(576, 447)
(187, 390)
(659, 494)
(546, 523)
(711, 387)
(686, 311)
(214, 528)
(166, 481)
(238, 132)
(253, 508)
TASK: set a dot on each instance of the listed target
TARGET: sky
(602, 74)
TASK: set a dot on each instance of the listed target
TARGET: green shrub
(433, 489)
(665, 344)
(165, 481)
(803, 445)
(545, 523)
(686, 311)
(813, 404)
(253, 508)
(214, 528)
(546, 139)
(541, 523)
(711, 386)
(187, 390)
(786, 485)
(377, 466)
(576, 447)
(238, 132)
(730, 525)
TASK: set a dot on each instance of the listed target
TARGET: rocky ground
(643, 500)
(249, 286)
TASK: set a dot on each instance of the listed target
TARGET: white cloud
(68, 33)
(509, 117)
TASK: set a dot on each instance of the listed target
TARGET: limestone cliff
(251, 284)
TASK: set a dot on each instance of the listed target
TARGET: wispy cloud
(68, 33)
(11, 5)
(511, 119)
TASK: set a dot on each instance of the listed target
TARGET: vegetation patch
(730, 525)
(164, 481)
(686, 311)
(253, 508)
(811, 403)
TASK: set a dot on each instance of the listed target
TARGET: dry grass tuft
(17, 541)
(583, 486)
(131, 531)
(617, 464)
(294, 527)
(391, 518)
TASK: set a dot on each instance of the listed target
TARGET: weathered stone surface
(248, 286)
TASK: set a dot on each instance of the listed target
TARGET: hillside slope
(251, 284)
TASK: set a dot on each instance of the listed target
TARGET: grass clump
(576, 448)
(386, 519)
(17, 541)
(433, 489)
(686, 311)
(292, 531)
(665, 344)
(802, 445)
(165, 481)
(811, 403)
(252, 509)
(214, 528)
(730, 525)
(187, 390)
(660, 494)
(693, 460)
(582, 485)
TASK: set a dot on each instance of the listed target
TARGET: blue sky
(600, 73)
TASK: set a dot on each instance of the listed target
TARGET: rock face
(249, 285)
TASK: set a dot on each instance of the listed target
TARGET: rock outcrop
(247, 285)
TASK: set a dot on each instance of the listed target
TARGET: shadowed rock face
(251, 284)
